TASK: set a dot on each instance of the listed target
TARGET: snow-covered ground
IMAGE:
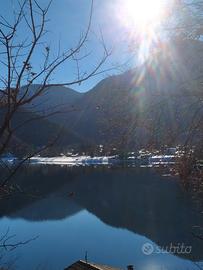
(162, 160)
(64, 160)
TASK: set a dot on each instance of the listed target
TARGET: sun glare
(144, 13)
(143, 19)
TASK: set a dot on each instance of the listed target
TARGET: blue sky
(67, 19)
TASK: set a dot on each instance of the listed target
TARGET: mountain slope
(150, 103)
(32, 132)
(54, 98)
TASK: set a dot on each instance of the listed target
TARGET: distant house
(82, 265)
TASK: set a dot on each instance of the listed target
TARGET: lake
(113, 215)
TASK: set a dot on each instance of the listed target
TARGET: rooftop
(82, 265)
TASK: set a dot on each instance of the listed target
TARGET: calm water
(107, 212)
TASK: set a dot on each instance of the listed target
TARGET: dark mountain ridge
(151, 104)
(133, 105)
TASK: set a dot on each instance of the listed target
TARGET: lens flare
(143, 19)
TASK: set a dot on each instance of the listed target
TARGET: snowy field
(64, 160)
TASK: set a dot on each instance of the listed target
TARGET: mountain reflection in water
(136, 199)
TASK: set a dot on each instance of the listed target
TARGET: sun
(143, 20)
(143, 13)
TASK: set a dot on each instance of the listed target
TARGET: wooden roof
(82, 265)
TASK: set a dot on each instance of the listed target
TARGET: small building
(82, 265)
